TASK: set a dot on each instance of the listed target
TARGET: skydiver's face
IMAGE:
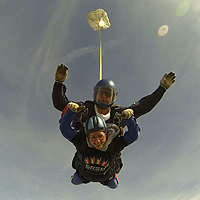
(97, 139)
(104, 95)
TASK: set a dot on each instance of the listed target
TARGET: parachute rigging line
(100, 65)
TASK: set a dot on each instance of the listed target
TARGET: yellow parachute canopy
(98, 19)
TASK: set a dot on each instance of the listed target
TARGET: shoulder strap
(112, 153)
(90, 106)
(113, 118)
(87, 112)
(113, 158)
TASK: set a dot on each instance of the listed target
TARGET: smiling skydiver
(98, 147)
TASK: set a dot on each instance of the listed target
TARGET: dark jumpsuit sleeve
(59, 98)
(148, 102)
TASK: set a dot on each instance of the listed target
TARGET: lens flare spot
(162, 31)
(182, 9)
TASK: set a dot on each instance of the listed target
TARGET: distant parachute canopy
(98, 19)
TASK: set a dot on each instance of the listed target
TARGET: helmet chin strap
(103, 105)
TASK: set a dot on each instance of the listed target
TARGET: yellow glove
(126, 114)
(74, 107)
(167, 80)
(61, 73)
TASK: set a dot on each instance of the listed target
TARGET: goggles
(107, 92)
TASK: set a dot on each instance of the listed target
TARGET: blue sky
(36, 36)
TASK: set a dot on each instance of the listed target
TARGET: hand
(126, 114)
(61, 73)
(167, 80)
(74, 107)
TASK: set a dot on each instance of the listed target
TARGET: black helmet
(109, 89)
(95, 124)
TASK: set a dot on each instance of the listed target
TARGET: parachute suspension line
(100, 65)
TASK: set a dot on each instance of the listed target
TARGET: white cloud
(82, 51)
(115, 43)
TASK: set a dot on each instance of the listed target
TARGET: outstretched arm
(58, 95)
(147, 103)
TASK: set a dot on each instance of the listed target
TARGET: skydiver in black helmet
(98, 147)
(104, 96)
